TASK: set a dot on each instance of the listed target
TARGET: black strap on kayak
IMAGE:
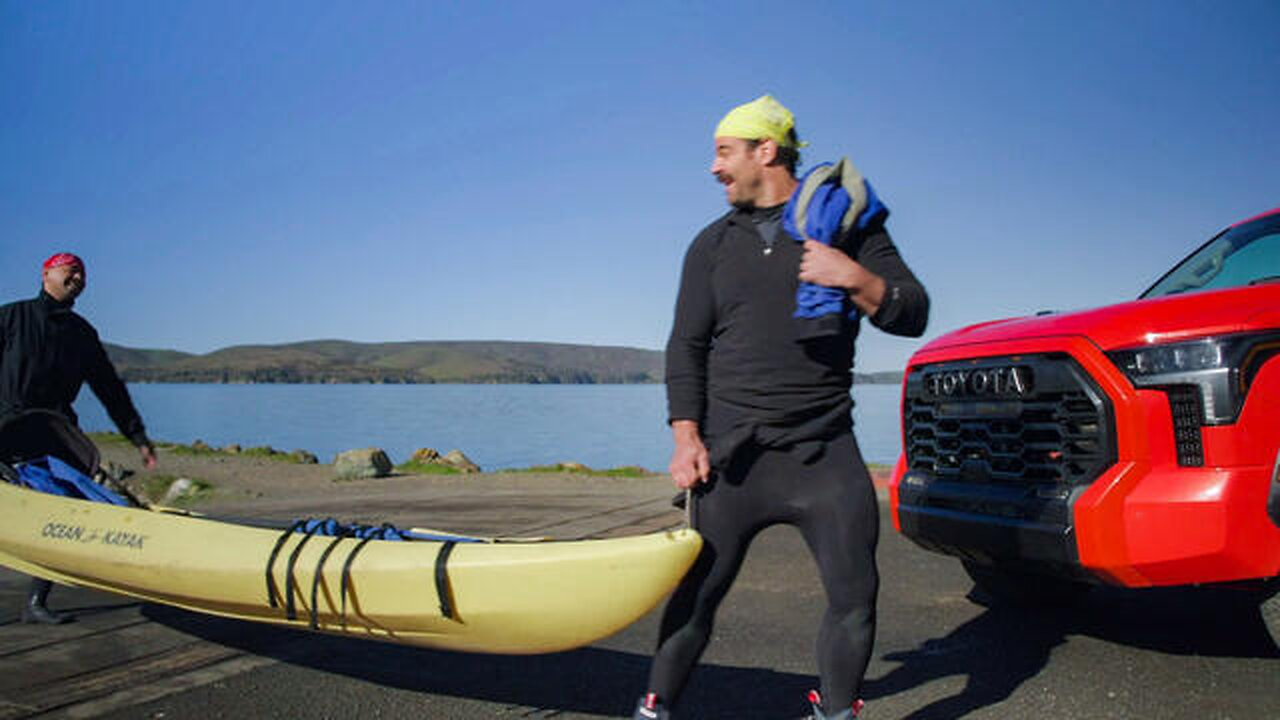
(315, 581)
(443, 591)
(346, 566)
(290, 611)
(271, 561)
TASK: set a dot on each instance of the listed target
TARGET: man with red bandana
(47, 352)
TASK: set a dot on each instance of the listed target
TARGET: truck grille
(1028, 419)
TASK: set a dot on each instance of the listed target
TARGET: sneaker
(650, 709)
(815, 701)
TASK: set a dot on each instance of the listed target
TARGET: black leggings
(832, 502)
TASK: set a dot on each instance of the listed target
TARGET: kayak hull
(494, 597)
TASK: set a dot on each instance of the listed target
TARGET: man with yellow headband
(759, 371)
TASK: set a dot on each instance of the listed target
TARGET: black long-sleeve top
(735, 343)
(47, 352)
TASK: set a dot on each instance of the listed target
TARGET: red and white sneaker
(650, 709)
(815, 700)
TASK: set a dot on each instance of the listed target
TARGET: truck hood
(1166, 319)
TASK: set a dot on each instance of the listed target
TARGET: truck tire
(1269, 609)
(1009, 586)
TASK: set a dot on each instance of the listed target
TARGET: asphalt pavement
(1185, 653)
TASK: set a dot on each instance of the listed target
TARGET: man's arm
(686, 362)
(114, 396)
(690, 462)
(877, 280)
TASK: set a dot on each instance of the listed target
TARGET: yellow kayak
(458, 593)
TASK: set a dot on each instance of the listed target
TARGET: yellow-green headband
(761, 118)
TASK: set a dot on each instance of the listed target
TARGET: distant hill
(340, 361)
(123, 357)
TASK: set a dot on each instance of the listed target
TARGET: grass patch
(176, 449)
(626, 471)
(199, 449)
(154, 486)
(108, 438)
(417, 468)
(297, 457)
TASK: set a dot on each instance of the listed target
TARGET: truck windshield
(1246, 254)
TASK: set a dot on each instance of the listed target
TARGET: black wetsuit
(774, 411)
(47, 352)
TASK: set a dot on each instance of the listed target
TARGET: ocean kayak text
(78, 533)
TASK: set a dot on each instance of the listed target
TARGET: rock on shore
(362, 463)
(454, 459)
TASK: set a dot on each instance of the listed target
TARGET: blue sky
(269, 172)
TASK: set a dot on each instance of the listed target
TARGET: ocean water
(497, 426)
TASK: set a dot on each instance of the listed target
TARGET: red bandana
(60, 259)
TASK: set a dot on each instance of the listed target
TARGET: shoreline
(259, 485)
(497, 427)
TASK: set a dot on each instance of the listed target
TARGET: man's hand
(690, 463)
(829, 267)
(148, 453)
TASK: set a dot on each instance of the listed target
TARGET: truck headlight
(1221, 368)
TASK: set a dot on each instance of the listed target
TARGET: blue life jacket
(51, 475)
(831, 199)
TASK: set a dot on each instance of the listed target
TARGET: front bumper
(974, 523)
(1135, 526)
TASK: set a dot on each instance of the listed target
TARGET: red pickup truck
(1135, 444)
